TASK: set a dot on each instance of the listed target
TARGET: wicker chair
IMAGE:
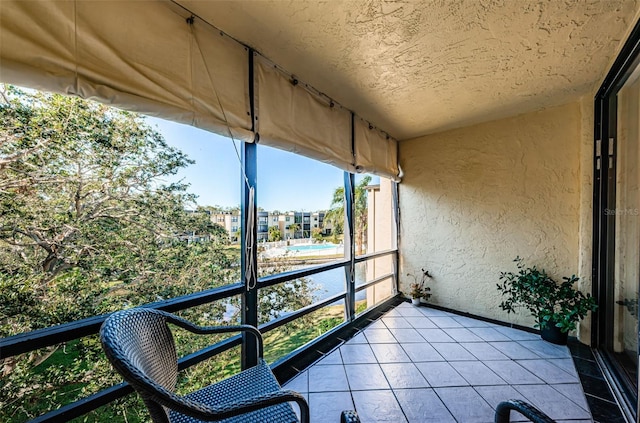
(140, 346)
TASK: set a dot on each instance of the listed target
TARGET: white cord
(250, 242)
(249, 238)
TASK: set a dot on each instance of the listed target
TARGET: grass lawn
(130, 409)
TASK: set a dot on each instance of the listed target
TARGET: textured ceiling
(417, 67)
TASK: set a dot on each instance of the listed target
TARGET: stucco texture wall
(473, 199)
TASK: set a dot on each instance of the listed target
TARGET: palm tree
(274, 233)
(335, 215)
(294, 227)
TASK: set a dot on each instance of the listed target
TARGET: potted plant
(419, 290)
(557, 307)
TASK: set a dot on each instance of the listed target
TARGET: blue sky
(285, 181)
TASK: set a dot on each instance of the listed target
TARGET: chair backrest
(140, 346)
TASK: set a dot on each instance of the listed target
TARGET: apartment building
(292, 225)
(230, 220)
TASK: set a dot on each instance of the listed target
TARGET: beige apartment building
(285, 222)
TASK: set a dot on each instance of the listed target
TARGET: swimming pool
(311, 247)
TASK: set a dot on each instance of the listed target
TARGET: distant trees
(294, 227)
(316, 233)
(336, 215)
(274, 234)
(218, 233)
(86, 220)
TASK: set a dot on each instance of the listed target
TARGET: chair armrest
(205, 412)
(209, 330)
(503, 410)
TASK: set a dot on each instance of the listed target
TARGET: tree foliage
(294, 228)
(336, 215)
(89, 225)
(274, 234)
(316, 233)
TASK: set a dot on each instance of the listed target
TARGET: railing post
(396, 237)
(249, 255)
(249, 231)
(349, 246)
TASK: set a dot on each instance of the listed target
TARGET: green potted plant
(557, 307)
(419, 290)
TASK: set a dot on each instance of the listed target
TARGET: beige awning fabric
(376, 152)
(295, 118)
(139, 56)
(154, 57)
(37, 45)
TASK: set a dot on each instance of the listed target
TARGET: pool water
(312, 247)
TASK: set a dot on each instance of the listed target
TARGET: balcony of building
(496, 131)
(420, 364)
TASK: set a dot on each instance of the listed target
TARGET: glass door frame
(604, 199)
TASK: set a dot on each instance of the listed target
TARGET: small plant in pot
(420, 290)
(557, 307)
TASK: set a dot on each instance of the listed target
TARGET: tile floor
(418, 364)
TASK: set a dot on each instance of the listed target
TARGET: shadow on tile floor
(419, 364)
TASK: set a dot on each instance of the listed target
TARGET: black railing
(31, 341)
(503, 410)
(271, 280)
(41, 338)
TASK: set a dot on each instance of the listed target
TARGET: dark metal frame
(154, 377)
(74, 330)
(31, 341)
(247, 288)
(604, 198)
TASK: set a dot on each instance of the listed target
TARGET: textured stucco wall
(380, 237)
(418, 67)
(474, 198)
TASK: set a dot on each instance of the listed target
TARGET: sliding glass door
(616, 258)
(623, 343)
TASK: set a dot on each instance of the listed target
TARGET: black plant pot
(552, 333)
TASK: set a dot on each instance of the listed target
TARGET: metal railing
(31, 341)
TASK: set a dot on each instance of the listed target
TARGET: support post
(396, 237)
(249, 253)
(349, 246)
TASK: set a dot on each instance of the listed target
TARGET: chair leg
(349, 416)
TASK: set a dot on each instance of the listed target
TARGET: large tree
(85, 208)
(90, 224)
(336, 215)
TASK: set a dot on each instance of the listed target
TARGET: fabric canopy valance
(154, 57)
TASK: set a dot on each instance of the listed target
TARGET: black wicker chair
(140, 346)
